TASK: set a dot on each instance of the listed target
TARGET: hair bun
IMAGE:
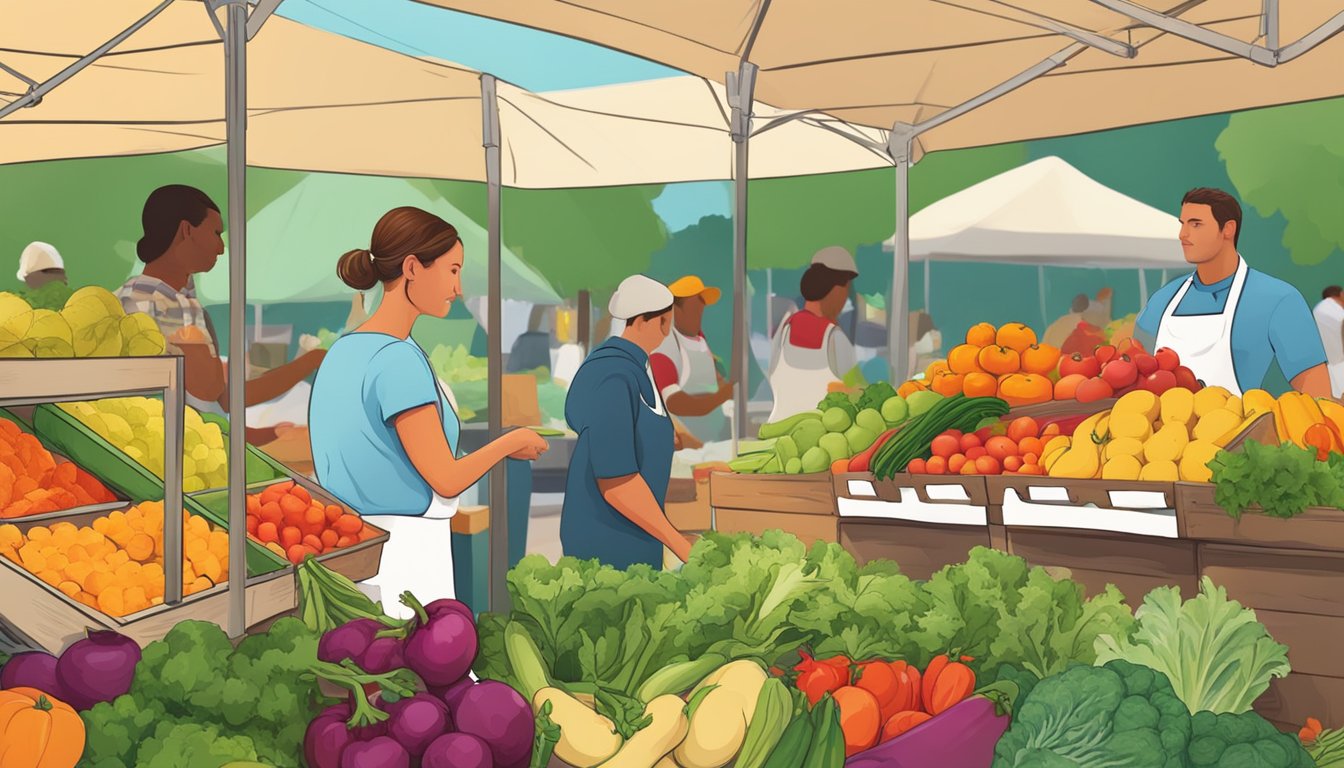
(356, 269)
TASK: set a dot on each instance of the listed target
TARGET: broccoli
(842, 401)
(1242, 741)
(1119, 716)
(193, 745)
(875, 395)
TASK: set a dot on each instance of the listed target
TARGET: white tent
(1045, 214)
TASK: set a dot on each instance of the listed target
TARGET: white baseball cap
(37, 257)
(836, 258)
(638, 295)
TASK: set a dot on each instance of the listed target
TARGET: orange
(981, 335)
(909, 387)
(999, 360)
(948, 384)
(1067, 387)
(1015, 336)
(140, 548)
(1040, 358)
(979, 384)
(112, 601)
(1025, 389)
(962, 359)
(935, 368)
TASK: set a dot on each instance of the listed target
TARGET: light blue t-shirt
(1272, 322)
(365, 381)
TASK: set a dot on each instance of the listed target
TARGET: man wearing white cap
(40, 264)
(810, 351)
(619, 472)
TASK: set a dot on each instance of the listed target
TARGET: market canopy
(296, 240)
(879, 64)
(322, 102)
(1046, 213)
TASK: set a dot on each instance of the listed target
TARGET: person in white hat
(618, 475)
(810, 351)
(40, 264)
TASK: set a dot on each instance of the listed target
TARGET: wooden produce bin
(1291, 572)
(687, 504)
(922, 522)
(803, 505)
(1125, 533)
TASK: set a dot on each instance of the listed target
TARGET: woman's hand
(527, 445)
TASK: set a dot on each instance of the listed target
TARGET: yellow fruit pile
(135, 426)
(1155, 438)
(92, 324)
(115, 565)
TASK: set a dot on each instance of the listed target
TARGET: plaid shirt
(171, 309)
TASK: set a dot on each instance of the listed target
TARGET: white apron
(1329, 317)
(802, 377)
(697, 376)
(418, 555)
(1204, 342)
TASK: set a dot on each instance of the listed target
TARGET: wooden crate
(794, 494)
(951, 500)
(1290, 701)
(1134, 508)
(687, 504)
(921, 550)
(808, 528)
(1317, 528)
(1134, 564)
(41, 616)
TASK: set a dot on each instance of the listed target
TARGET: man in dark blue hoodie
(619, 473)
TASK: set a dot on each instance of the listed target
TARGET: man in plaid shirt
(183, 238)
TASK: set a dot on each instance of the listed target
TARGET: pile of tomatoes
(1015, 450)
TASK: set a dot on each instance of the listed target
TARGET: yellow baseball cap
(692, 285)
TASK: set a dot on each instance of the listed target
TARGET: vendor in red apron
(810, 351)
(1228, 322)
(684, 368)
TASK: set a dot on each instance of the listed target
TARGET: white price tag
(1048, 493)
(862, 488)
(946, 493)
(1139, 499)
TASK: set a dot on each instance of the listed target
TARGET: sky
(537, 61)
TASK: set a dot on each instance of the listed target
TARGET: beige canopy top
(882, 63)
(322, 102)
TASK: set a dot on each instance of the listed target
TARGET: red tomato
(945, 445)
(1001, 447)
(917, 467)
(955, 463)
(987, 465)
(1023, 428)
(970, 441)
(1012, 463)
(968, 469)
(937, 465)
(976, 452)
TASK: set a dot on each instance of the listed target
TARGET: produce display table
(803, 505)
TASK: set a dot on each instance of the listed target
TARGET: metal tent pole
(1143, 289)
(900, 148)
(235, 107)
(499, 486)
(1040, 284)
(928, 283)
(741, 86)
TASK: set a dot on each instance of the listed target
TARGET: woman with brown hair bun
(384, 437)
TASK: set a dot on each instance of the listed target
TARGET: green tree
(1290, 160)
(791, 219)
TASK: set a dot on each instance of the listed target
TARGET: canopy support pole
(1143, 289)
(259, 16)
(741, 90)
(36, 91)
(1040, 284)
(1269, 24)
(499, 487)
(1268, 56)
(901, 147)
(928, 285)
(235, 111)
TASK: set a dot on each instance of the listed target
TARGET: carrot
(931, 674)
(301, 494)
(333, 513)
(955, 682)
(313, 543)
(860, 719)
(839, 466)
(903, 721)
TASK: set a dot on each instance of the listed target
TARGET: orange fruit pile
(292, 524)
(1005, 362)
(115, 565)
(32, 483)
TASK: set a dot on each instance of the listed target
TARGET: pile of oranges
(115, 565)
(1005, 362)
(32, 483)
(287, 520)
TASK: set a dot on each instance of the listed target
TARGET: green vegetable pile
(1279, 480)
(742, 596)
(50, 296)
(197, 701)
(1123, 715)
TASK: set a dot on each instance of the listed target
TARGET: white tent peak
(1046, 212)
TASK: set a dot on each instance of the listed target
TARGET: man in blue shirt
(619, 473)
(1227, 321)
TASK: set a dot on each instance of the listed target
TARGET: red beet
(34, 669)
(96, 669)
(457, 750)
(380, 752)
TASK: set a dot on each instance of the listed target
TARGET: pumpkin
(37, 731)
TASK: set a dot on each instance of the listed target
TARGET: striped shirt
(173, 310)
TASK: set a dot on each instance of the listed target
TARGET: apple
(1159, 382)
(1120, 372)
(1146, 363)
(1087, 366)
(1094, 389)
(1186, 378)
(1104, 353)
(1167, 359)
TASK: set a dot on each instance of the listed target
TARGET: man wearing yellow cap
(684, 369)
